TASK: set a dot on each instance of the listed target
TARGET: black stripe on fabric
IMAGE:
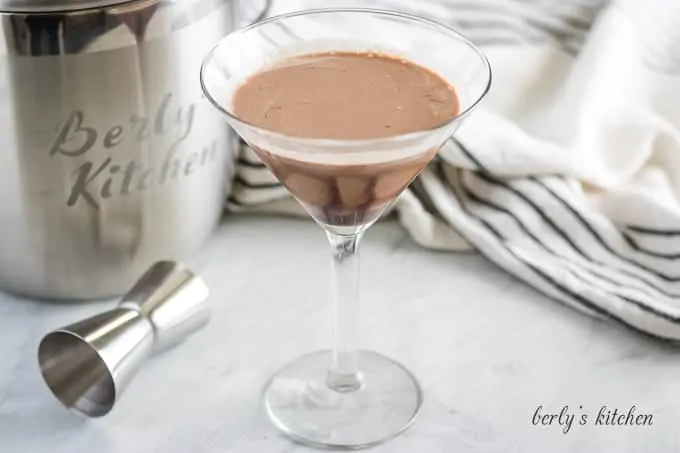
(581, 300)
(589, 228)
(422, 196)
(485, 202)
(560, 30)
(652, 231)
(598, 237)
(491, 205)
(547, 219)
(523, 26)
(231, 199)
(626, 237)
(581, 18)
(640, 304)
(252, 185)
(478, 31)
(487, 176)
(581, 22)
(483, 38)
(514, 36)
(471, 157)
(588, 303)
(250, 164)
(578, 23)
(634, 245)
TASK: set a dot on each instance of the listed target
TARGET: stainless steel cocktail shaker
(111, 158)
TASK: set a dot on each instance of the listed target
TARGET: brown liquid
(345, 96)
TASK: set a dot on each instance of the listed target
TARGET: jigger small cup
(88, 364)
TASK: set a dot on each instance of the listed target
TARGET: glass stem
(344, 374)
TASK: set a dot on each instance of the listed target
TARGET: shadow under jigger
(87, 365)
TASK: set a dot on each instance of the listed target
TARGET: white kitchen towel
(568, 175)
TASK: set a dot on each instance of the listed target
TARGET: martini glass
(345, 397)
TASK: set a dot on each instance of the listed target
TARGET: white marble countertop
(488, 351)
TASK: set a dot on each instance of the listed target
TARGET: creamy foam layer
(369, 152)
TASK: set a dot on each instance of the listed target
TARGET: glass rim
(344, 142)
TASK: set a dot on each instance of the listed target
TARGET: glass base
(300, 403)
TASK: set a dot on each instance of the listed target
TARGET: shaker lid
(52, 6)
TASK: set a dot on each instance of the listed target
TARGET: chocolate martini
(346, 96)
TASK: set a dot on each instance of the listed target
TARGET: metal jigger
(88, 364)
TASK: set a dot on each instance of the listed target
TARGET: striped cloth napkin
(568, 176)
